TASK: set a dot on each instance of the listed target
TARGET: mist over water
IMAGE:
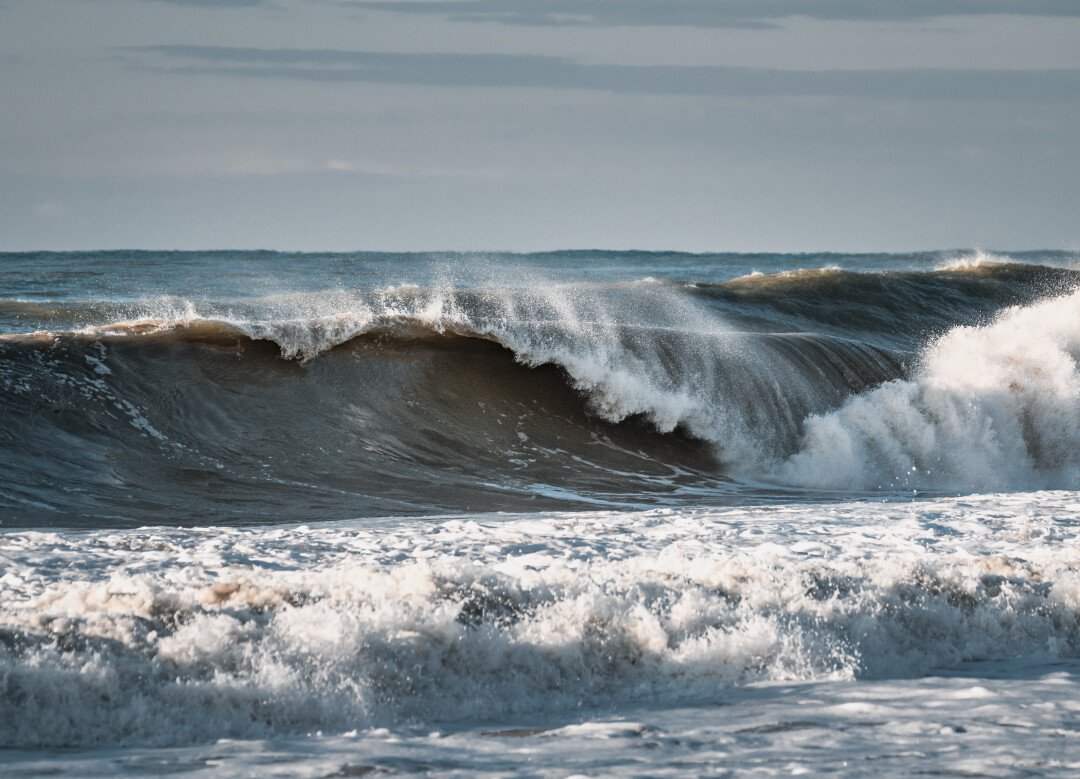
(256, 496)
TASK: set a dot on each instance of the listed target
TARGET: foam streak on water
(165, 637)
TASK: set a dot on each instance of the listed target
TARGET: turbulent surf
(409, 491)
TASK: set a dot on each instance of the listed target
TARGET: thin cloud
(195, 3)
(544, 72)
(713, 13)
(50, 209)
(217, 3)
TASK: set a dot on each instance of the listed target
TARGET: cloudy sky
(702, 125)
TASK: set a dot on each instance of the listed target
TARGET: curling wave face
(417, 399)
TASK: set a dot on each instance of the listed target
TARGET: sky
(694, 125)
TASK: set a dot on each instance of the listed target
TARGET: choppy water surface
(571, 512)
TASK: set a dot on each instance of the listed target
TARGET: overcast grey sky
(702, 125)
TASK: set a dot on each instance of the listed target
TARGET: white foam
(160, 636)
(1027, 726)
(979, 258)
(990, 407)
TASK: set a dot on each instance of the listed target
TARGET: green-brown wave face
(347, 390)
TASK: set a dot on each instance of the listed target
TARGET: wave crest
(633, 351)
(409, 399)
(988, 407)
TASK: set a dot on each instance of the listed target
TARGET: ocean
(570, 513)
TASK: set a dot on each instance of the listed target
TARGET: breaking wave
(166, 637)
(991, 407)
(411, 400)
(629, 432)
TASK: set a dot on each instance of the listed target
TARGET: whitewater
(569, 513)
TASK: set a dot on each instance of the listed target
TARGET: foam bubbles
(162, 637)
(973, 261)
(988, 407)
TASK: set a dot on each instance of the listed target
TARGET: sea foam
(996, 406)
(159, 636)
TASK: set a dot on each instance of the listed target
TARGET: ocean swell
(413, 400)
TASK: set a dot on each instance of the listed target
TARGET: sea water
(579, 512)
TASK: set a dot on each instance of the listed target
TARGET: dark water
(248, 387)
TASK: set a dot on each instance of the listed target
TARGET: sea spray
(603, 513)
(988, 407)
